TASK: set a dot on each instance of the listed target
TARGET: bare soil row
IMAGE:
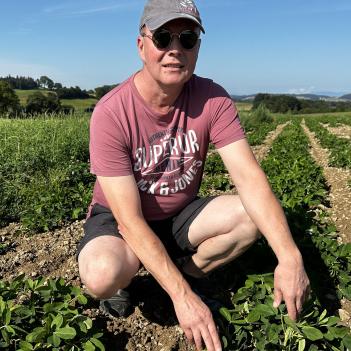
(340, 201)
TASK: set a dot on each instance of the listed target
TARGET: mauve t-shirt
(165, 152)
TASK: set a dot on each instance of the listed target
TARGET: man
(149, 139)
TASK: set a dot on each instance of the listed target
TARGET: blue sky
(250, 46)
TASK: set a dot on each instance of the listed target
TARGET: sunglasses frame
(178, 35)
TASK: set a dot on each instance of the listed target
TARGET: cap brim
(155, 24)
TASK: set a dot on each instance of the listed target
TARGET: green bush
(260, 115)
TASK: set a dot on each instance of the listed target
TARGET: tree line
(46, 83)
(291, 104)
(36, 103)
(29, 83)
(46, 100)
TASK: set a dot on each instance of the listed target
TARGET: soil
(262, 150)
(342, 131)
(340, 192)
(152, 325)
(340, 200)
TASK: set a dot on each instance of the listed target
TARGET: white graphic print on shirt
(169, 164)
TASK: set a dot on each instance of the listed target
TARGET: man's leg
(107, 264)
(222, 231)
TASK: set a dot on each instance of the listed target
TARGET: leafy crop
(340, 148)
(254, 324)
(251, 323)
(215, 178)
(290, 170)
(45, 315)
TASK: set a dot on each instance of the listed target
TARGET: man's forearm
(266, 212)
(152, 253)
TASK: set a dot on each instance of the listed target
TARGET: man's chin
(176, 79)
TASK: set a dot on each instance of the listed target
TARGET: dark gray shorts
(172, 231)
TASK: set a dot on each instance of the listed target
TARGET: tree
(101, 91)
(39, 103)
(277, 103)
(20, 82)
(72, 93)
(57, 86)
(46, 82)
(9, 101)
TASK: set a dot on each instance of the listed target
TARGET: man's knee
(239, 220)
(102, 276)
(105, 271)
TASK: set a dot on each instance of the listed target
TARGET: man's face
(173, 65)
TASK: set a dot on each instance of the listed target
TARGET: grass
(43, 169)
(79, 104)
(23, 94)
(243, 106)
(327, 114)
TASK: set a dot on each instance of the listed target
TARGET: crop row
(251, 322)
(340, 148)
(334, 121)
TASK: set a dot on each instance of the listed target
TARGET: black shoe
(118, 305)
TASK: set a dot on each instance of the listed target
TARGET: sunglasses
(162, 38)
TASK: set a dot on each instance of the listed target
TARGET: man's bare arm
(193, 315)
(266, 212)
(123, 198)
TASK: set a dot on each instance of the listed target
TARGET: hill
(345, 97)
(313, 97)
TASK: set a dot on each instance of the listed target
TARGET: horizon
(249, 46)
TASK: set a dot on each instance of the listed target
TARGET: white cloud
(101, 9)
(74, 9)
(308, 90)
(58, 8)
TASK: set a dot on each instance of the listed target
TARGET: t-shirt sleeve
(109, 154)
(225, 127)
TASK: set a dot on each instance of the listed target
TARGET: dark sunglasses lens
(188, 39)
(162, 39)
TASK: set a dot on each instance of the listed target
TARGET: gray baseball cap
(158, 12)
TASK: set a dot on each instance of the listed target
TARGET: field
(46, 188)
(79, 104)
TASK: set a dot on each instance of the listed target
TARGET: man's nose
(175, 43)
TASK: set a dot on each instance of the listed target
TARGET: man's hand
(196, 320)
(292, 285)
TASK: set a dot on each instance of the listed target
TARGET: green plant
(254, 324)
(45, 315)
(340, 149)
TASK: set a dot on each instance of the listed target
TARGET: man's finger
(277, 298)
(299, 305)
(291, 306)
(215, 338)
(189, 335)
(197, 339)
(207, 339)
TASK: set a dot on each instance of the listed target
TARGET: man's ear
(140, 45)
